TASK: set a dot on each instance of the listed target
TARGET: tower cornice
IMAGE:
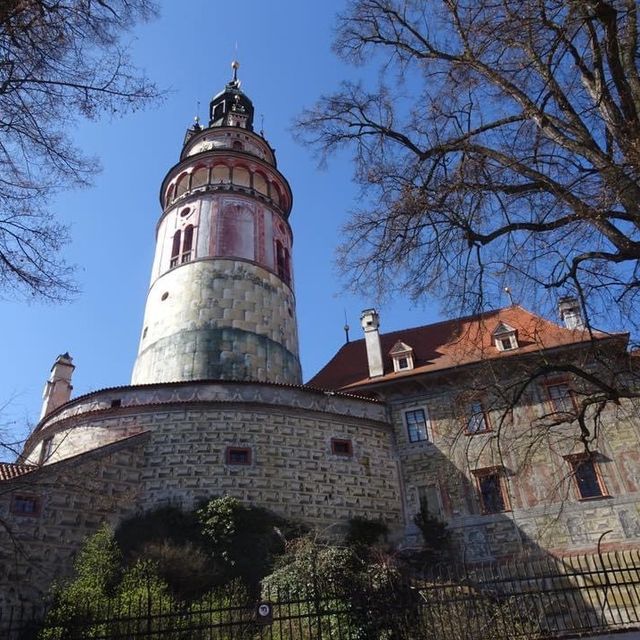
(220, 133)
(238, 157)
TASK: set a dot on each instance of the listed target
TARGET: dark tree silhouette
(501, 148)
(59, 60)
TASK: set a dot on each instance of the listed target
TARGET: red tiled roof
(448, 344)
(10, 470)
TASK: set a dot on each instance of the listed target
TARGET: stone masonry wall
(545, 511)
(74, 497)
(293, 468)
(100, 471)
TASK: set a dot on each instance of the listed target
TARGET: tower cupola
(231, 107)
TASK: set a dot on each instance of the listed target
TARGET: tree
(505, 153)
(59, 60)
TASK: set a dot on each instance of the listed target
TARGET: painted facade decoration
(393, 423)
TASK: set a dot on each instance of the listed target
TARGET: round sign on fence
(264, 613)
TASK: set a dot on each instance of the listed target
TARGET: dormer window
(505, 338)
(402, 356)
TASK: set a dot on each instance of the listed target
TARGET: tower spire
(235, 65)
(231, 107)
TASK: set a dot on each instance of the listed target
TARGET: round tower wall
(229, 139)
(219, 319)
(223, 225)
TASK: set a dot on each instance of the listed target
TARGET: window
(586, 476)
(491, 490)
(182, 246)
(560, 397)
(508, 343)
(287, 266)
(175, 248)
(187, 244)
(238, 455)
(477, 420)
(200, 177)
(283, 262)
(341, 447)
(117, 402)
(25, 505)
(46, 449)
(402, 356)
(417, 425)
(505, 338)
(182, 185)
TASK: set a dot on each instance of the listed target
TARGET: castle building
(394, 422)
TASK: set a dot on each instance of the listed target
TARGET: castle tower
(221, 302)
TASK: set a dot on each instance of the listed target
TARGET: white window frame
(407, 357)
(511, 337)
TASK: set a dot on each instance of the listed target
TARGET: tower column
(221, 303)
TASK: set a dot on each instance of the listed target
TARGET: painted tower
(221, 302)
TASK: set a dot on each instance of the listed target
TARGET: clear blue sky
(284, 48)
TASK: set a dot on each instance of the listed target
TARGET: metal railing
(532, 598)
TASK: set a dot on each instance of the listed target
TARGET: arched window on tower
(220, 174)
(287, 266)
(182, 186)
(175, 249)
(187, 244)
(241, 177)
(275, 194)
(260, 184)
(170, 192)
(280, 261)
(200, 177)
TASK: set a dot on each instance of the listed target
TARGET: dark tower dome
(231, 107)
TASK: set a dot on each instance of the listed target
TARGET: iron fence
(536, 598)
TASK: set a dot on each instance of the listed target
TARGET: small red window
(340, 447)
(238, 455)
(23, 505)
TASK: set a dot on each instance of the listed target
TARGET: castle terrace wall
(293, 469)
(73, 499)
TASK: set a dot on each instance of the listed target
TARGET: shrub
(363, 532)
(246, 540)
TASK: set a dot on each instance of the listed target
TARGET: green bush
(363, 532)
(246, 540)
(436, 538)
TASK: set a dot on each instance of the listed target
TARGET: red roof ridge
(10, 470)
(449, 343)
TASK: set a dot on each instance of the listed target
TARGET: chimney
(570, 312)
(58, 388)
(370, 322)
